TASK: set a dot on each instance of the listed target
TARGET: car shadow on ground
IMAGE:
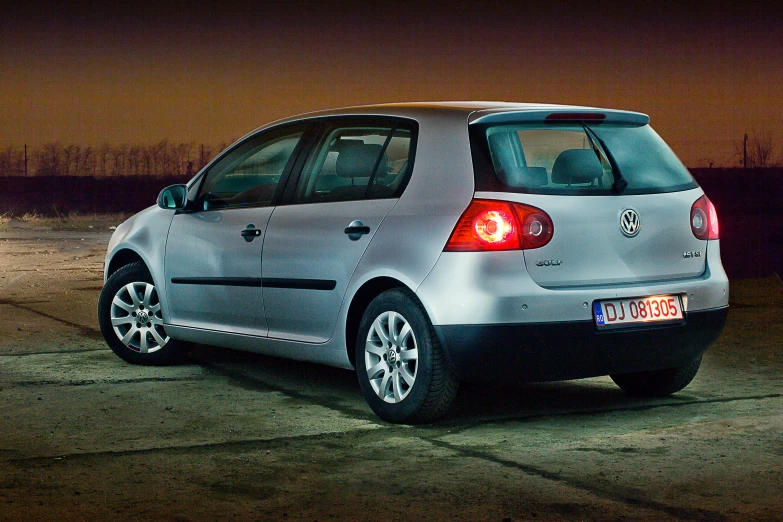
(476, 402)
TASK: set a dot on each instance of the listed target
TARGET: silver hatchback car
(423, 244)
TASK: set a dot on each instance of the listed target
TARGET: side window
(356, 162)
(249, 174)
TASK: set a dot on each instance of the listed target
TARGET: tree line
(166, 158)
(158, 159)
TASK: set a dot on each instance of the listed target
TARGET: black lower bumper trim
(559, 351)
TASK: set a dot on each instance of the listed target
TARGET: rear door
(349, 183)
(213, 252)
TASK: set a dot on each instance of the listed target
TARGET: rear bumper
(573, 350)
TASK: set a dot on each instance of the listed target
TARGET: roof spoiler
(565, 115)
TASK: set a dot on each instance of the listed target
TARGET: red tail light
(500, 225)
(704, 219)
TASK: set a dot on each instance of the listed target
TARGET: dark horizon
(706, 75)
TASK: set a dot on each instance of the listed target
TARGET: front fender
(145, 235)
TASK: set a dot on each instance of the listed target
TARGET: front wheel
(402, 370)
(658, 383)
(129, 314)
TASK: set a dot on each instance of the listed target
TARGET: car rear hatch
(590, 247)
(619, 199)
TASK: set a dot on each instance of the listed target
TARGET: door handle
(250, 233)
(356, 230)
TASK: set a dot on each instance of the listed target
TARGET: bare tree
(49, 159)
(182, 157)
(755, 151)
(135, 154)
(761, 151)
(119, 158)
(11, 162)
(88, 162)
(205, 153)
(69, 156)
(156, 156)
(103, 155)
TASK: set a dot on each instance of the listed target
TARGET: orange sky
(705, 75)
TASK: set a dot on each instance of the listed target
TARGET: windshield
(566, 159)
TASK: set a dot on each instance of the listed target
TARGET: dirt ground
(230, 435)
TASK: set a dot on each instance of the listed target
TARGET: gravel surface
(233, 435)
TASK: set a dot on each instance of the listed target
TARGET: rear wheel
(131, 321)
(657, 383)
(401, 367)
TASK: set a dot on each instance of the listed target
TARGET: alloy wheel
(136, 318)
(391, 356)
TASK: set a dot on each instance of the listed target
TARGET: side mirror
(174, 197)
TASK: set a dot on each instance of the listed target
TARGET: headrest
(344, 143)
(527, 177)
(576, 166)
(501, 145)
(358, 160)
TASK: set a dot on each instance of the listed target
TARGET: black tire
(172, 351)
(657, 383)
(435, 384)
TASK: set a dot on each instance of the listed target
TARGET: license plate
(639, 310)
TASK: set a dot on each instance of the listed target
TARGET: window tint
(249, 174)
(356, 162)
(565, 159)
(644, 158)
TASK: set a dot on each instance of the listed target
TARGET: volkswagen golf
(425, 244)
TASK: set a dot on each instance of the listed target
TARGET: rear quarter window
(571, 159)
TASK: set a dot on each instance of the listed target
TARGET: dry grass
(73, 221)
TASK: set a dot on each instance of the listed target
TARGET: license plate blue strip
(599, 314)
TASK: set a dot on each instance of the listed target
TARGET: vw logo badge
(630, 224)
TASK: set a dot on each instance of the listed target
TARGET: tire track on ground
(87, 331)
(459, 427)
(255, 383)
(629, 497)
(261, 443)
(91, 382)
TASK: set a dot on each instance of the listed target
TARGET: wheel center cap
(142, 317)
(391, 356)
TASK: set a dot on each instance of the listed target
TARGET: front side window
(357, 162)
(249, 174)
(597, 159)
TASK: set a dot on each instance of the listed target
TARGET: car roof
(473, 111)
(423, 108)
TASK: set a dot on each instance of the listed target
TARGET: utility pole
(745, 152)
(25, 160)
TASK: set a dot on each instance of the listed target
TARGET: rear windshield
(575, 159)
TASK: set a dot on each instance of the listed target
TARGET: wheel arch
(121, 258)
(361, 299)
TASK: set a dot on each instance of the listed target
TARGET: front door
(213, 252)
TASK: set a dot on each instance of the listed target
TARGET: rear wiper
(620, 183)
